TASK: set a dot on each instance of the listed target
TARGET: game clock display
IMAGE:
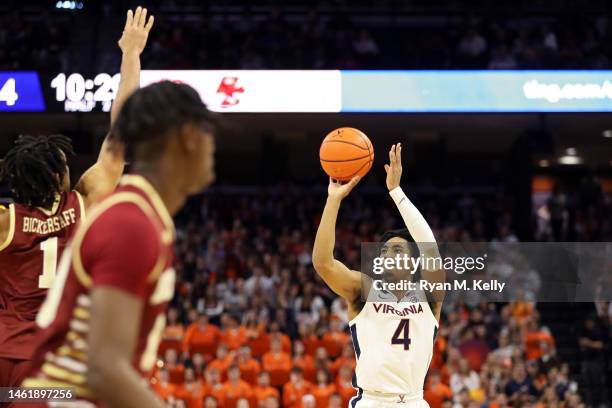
(80, 94)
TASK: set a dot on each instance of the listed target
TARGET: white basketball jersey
(393, 343)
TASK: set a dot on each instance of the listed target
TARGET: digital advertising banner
(298, 91)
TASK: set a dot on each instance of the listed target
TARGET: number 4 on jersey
(401, 335)
(7, 92)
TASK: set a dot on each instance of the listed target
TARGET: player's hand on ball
(337, 190)
(394, 168)
(136, 31)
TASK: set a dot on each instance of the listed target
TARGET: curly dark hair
(35, 167)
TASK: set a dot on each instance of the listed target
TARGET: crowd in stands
(253, 326)
(33, 44)
(314, 40)
(337, 42)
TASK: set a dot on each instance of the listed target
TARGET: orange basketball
(345, 153)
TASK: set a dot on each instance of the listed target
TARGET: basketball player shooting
(35, 229)
(393, 333)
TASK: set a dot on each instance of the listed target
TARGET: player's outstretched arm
(343, 281)
(103, 176)
(417, 226)
(112, 342)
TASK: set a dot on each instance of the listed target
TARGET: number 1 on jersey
(49, 248)
(401, 335)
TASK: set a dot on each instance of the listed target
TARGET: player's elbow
(323, 265)
(324, 268)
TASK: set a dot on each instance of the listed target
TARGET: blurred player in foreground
(393, 332)
(105, 315)
(35, 230)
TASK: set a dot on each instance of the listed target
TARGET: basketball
(345, 153)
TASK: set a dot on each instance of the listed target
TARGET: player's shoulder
(7, 224)
(125, 211)
(73, 197)
(120, 226)
(5, 214)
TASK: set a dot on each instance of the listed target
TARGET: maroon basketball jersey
(28, 263)
(126, 242)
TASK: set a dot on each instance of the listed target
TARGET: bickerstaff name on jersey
(28, 262)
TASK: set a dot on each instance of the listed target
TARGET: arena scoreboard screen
(278, 91)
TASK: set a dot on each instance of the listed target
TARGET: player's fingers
(386, 168)
(137, 16)
(143, 18)
(399, 154)
(391, 155)
(129, 19)
(150, 23)
(354, 181)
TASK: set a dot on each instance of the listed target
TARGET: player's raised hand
(394, 168)
(136, 31)
(338, 190)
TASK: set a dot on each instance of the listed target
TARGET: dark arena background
(503, 110)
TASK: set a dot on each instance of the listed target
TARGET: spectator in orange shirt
(335, 339)
(322, 360)
(257, 337)
(295, 389)
(277, 363)
(521, 310)
(436, 392)
(234, 388)
(263, 390)
(276, 332)
(344, 384)
(173, 333)
(309, 338)
(249, 367)
(191, 391)
(347, 357)
(323, 389)
(305, 362)
(533, 338)
(232, 334)
(224, 360)
(198, 365)
(162, 386)
(175, 369)
(213, 387)
(201, 337)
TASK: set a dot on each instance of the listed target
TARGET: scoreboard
(278, 91)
